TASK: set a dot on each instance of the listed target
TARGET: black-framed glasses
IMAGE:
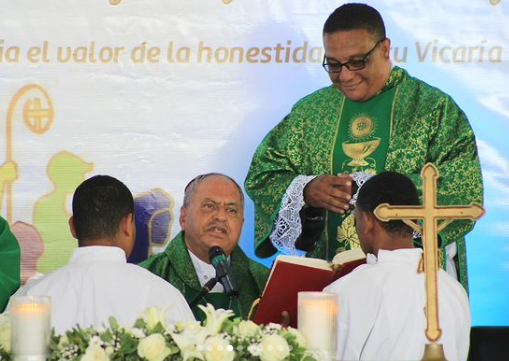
(352, 65)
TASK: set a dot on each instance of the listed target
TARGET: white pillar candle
(318, 323)
(30, 327)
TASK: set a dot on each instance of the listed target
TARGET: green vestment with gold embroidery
(10, 258)
(175, 266)
(406, 125)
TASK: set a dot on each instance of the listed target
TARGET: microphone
(218, 260)
(205, 289)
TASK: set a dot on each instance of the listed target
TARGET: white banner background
(156, 115)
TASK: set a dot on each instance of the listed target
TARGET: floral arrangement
(219, 339)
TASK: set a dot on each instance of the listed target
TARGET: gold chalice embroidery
(358, 152)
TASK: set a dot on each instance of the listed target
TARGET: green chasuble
(328, 134)
(10, 267)
(362, 139)
(175, 266)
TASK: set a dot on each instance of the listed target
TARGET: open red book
(290, 275)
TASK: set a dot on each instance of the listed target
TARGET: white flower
(109, 350)
(246, 329)
(100, 329)
(192, 354)
(299, 337)
(187, 325)
(274, 348)
(255, 349)
(96, 340)
(319, 355)
(5, 332)
(136, 332)
(153, 348)
(94, 352)
(215, 318)
(154, 315)
(218, 349)
(272, 328)
(191, 335)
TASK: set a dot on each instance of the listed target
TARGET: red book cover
(291, 275)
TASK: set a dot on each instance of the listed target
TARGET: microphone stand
(205, 289)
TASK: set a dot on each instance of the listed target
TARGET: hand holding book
(291, 275)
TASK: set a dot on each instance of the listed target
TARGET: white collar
(205, 271)
(97, 254)
(406, 255)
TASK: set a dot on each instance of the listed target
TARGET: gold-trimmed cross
(429, 213)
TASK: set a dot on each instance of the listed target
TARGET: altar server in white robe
(382, 304)
(98, 282)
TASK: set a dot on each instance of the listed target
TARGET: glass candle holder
(30, 327)
(317, 321)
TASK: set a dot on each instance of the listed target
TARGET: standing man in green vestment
(10, 267)
(374, 117)
(212, 215)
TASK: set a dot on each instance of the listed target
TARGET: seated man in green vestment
(10, 267)
(374, 117)
(10, 254)
(212, 215)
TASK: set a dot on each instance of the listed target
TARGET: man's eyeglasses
(352, 65)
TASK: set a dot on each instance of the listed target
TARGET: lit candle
(30, 327)
(317, 322)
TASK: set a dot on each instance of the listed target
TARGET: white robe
(99, 283)
(381, 311)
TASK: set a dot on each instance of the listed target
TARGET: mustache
(221, 226)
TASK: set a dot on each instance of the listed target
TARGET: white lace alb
(287, 226)
(359, 178)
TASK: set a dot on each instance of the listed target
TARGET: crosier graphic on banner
(37, 118)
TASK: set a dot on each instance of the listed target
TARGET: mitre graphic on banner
(430, 214)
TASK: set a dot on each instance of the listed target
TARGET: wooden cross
(430, 213)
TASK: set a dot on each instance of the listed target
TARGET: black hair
(353, 17)
(388, 187)
(98, 206)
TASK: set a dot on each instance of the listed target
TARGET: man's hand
(330, 192)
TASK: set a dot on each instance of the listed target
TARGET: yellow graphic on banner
(38, 116)
(495, 2)
(66, 172)
(49, 235)
(8, 174)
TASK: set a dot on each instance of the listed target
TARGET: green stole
(218, 299)
(10, 271)
(362, 140)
